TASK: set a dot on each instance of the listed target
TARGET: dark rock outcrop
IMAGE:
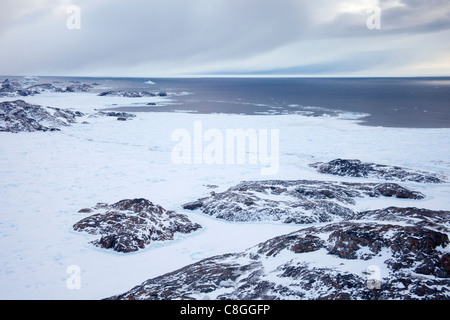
(17, 116)
(345, 260)
(122, 116)
(132, 94)
(356, 168)
(44, 87)
(432, 219)
(83, 87)
(297, 201)
(12, 88)
(132, 224)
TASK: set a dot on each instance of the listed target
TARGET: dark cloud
(417, 16)
(141, 37)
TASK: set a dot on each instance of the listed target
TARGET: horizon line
(199, 76)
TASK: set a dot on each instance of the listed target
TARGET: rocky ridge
(357, 168)
(297, 201)
(390, 253)
(351, 259)
(132, 94)
(18, 116)
(16, 88)
(132, 224)
(122, 116)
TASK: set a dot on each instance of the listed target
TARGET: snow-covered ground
(46, 177)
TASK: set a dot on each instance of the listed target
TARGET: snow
(46, 177)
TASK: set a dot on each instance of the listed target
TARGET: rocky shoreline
(383, 254)
(366, 261)
(15, 88)
(338, 252)
(132, 94)
(20, 116)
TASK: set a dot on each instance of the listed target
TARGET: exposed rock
(431, 219)
(356, 168)
(17, 116)
(16, 88)
(298, 201)
(193, 205)
(132, 94)
(123, 116)
(344, 260)
(85, 210)
(132, 224)
(79, 88)
(211, 186)
(44, 87)
(12, 88)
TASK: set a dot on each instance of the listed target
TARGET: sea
(386, 102)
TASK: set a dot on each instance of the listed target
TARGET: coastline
(49, 176)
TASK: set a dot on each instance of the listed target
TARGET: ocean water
(387, 102)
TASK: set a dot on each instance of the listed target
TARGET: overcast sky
(151, 38)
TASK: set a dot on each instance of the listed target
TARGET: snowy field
(46, 177)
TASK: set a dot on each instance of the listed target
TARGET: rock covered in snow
(79, 87)
(18, 115)
(12, 88)
(356, 168)
(132, 94)
(131, 224)
(16, 88)
(352, 259)
(433, 219)
(118, 115)
(44, 87)
(297, 201)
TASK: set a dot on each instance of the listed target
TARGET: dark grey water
(389, 102)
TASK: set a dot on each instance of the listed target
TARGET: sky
(159, 38)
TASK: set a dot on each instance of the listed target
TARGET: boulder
(132, 224)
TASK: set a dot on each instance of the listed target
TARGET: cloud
(170, 37)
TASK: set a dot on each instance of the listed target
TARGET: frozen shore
(47, 177)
